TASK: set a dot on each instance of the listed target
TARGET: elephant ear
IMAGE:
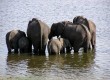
(75, 20)
(29, 23)
(53, 31)
(54, 27)
(34, 19)
(60, 29)
(86, 23)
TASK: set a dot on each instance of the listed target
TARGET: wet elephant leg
(15, 45)
(86, 46)
(76, 46)
(42, 52)
(15, 50)
(68, 49)
(9, 49)
(8, 46)
(30, 46)
(93, 40)
(36, 50)
(44, 43)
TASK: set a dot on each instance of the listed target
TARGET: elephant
(12, 38)
(68, 49)
(78, 35)
(90, 25)
(57, 46)
(37, 32)
(23, 44)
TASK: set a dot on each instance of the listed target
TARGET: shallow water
(15, 14)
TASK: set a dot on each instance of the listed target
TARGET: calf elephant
(56, 46)
(37, 33)
(78, 35)
(23, 44)
(12, 39)
(90, 25)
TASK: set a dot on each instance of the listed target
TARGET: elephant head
(81, 20)
(56, 30)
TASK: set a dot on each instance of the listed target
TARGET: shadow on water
(25, 64)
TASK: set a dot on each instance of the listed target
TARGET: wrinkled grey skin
(57, 46)
(23, 44)
(78, 35)
(68, 49)
(90, 25)
(37, 33)
(12, 39)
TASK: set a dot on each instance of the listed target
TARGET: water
(15, 14)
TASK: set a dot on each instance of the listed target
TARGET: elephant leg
(21, 50)
(42, 51)
(68, 50)
(30, 46)
(63, 50)
(44, 43)
(35, 51)
(36, 48)
(86, 46)
(16, 50)
(76, 46)
(93, 41)
(9, 49)
(8, 46)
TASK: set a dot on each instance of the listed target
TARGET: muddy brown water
(15, 14)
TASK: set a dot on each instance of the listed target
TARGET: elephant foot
(9, 52)
(16, 51)
(75, 51)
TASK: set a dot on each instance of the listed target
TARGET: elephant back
(33, 29)
(44, 26)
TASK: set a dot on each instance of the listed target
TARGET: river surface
(15, 14)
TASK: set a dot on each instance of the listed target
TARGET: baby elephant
(12, 39)
(57, 46)
(23, 44)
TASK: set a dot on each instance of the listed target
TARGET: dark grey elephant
(90, 25)
(37, 33)
(57, 46)
(23, 44)
(78, 35)
(12, 39)
(68, 49)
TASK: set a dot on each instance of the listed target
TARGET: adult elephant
(68, 49)
(90, 25)
(37, 33)
(57, 46)
(78, 35)
(23, 44)
(12, 38)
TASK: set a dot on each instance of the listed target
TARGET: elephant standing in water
(12, 39)
(23, 45)
(90, 25)
(57, 46)
(78, 35)
(37, 32)
(68, 49)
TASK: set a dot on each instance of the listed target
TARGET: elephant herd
(81, 33)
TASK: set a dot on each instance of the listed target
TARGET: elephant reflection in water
(42, 64)
(17, 63)
(80, 60)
